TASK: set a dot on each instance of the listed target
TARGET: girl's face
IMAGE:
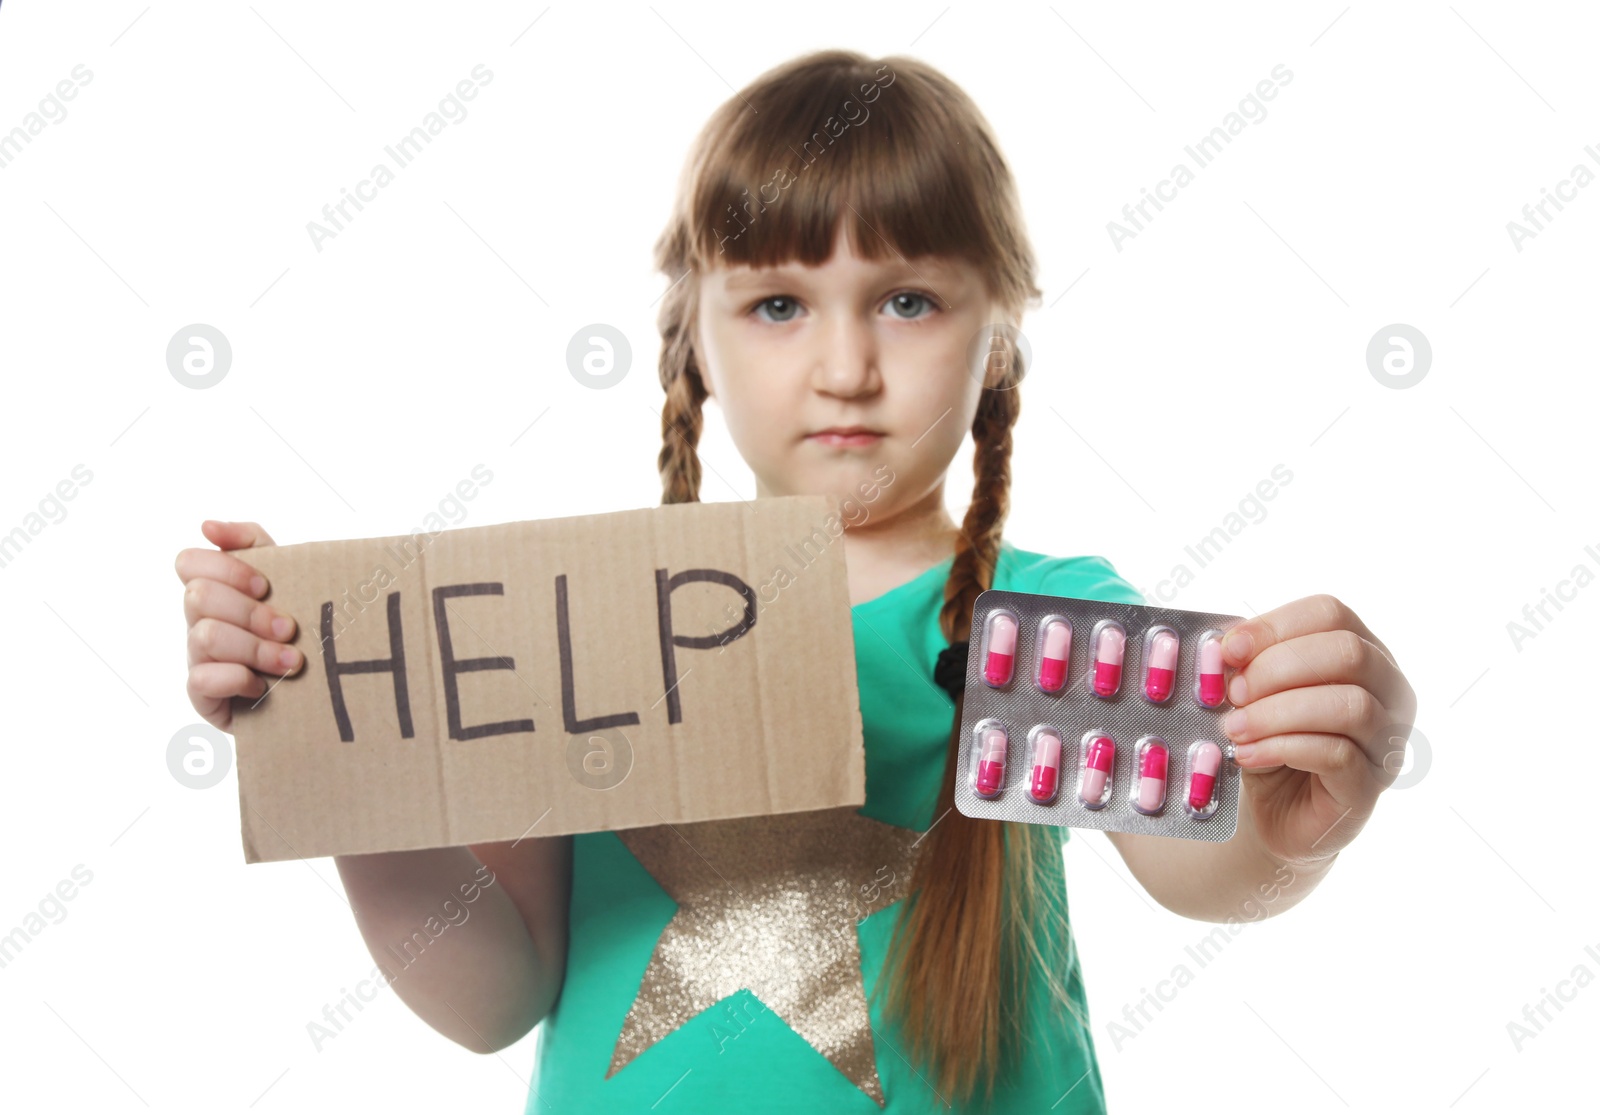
(826, 374)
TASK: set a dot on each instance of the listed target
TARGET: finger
(212, 640)
(1320, 658)
(1250, 637)
(218, 566)
(1343, 710)
(213, 681)
(205, 597)
(235, 536)
(213, 685)
(1343, 767)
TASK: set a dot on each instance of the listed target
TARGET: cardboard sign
(682, 663)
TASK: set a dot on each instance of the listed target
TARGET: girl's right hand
(232, 634)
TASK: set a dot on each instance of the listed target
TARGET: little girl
(846, 239)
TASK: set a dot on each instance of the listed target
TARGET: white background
(369, 378)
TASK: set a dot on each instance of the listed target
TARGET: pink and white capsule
(1211, 690)
(1203, 776)
(1046, 765)
(1097, 764)
(991, 763)
(1002, 649)
(1053, 655)
(1161, 666)
(1108, 648)
(1152, 778)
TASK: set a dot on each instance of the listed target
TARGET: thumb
(235, 536)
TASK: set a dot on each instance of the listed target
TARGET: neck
(885, 550)
(924, 525)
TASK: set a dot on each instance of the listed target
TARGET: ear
(696, 348)
(1012, 317)
(998, 367)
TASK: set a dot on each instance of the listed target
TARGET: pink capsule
(1108, 660)
(1002, 649)
(1097, 769)
(1202, 779)
(991, 763)
(1053, 657)
(1046, 765)
(1153, 778)
(1211, 690)
(1162, 664)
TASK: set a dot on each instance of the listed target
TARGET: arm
(483, 981)
(1320, 708)
(1237, 878)
(488, 978)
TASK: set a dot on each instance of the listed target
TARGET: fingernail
(1239, 644)
(1243, 752)
(288, 658)
(258, 585)
(1237, 690)
(1234, 723)
(282, 626)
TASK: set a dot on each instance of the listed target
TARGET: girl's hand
(232, 634)
(1321, 718)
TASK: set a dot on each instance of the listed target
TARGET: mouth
(846, 435)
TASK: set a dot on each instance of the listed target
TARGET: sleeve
(1087, 578)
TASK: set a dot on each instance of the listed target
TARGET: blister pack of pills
(1094, 715)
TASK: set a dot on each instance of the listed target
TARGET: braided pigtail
(681, 413)
(978, 884)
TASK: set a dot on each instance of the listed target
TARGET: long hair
(900, 154)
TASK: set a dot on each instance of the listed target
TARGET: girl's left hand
(1320, 722)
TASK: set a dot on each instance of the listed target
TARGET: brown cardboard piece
(681, 663)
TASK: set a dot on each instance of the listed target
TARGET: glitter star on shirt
(769, 904)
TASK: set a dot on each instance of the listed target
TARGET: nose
(846, 364)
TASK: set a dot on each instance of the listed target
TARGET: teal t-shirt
(618, 912)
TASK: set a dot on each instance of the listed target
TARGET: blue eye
(781, 309)
(897, 301)
(780, 299)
